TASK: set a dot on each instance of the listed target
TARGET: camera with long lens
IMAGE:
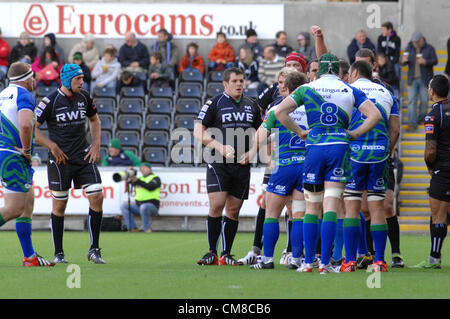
(124, 175)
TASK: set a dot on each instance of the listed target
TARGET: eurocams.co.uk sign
(114, 20)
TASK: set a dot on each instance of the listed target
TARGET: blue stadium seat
(103, 152)
(128, 138)
(155, 155)
(190, 89)
(105, 138)
(42, 91)
(133, 149)
(160, 105)
(158, 122)
(156, 138)
(215, 76)
(185, 121)
(161, 92)
(107, 122)
(188, 106)
(182, 155)
(105, 105)
(132, 91)
(213, 89)
(131, 106)
(129, 122)
(193, 75)
(104, 92)
(251, 92)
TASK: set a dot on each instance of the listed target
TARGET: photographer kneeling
(147, 197)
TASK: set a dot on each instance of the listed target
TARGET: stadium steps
(414, 212)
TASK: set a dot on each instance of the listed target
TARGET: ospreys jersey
(329, 103)
(13, 99)
(373, 146)
(231, 119)
(291, 149)
(66, 120)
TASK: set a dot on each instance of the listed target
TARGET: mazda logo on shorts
(338, 172)
(356, 147)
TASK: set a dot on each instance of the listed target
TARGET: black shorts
(80, 171)
(440, 187)
(231, 178)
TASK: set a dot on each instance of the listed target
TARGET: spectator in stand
(24, 50)
(4, 53)
(78, 59)
(88, 50)
(305, 46)
(249, 65)
(47, 67)
(253, 43)
(386, 72)
(169, 51)
(269, 67)
(390, 43)
(221, 56)
(128, 79)
(158, 72)
(50, 41)
(359, 41)
(133, 54)
(36, 160)
(420, 58)
(106, 71)
(118, 156)
(281, 47)
(192, 59)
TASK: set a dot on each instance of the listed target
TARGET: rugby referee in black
(228, 174)
(71, 158)
(437, 158)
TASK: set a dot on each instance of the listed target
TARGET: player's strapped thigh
(353, 195)
(313, 193)
(15, 173)
(91, 189)
(375, 196)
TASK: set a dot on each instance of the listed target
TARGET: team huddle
(332, 142)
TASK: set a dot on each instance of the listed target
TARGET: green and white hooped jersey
(291, 149)
(329, 104)
(374, 146)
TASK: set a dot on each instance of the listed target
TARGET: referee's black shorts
(440, 187)
(231, 178)
(80, 171)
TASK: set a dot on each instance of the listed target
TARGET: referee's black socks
(229, 230)
(394, 233)
(213, 228)
(57, 232)
(94, 224)
(438, 233)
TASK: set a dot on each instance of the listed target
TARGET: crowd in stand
(133, 63)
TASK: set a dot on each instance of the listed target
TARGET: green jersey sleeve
(270, 120)
(298, 95)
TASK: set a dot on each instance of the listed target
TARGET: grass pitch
(163, 266)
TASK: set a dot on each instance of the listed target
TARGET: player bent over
(329, 103)
(286, 179)
(71, 158)
(369, 168)
(17, 106)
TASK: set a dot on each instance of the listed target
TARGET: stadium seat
(105, 138)
(131, 106)
(105, 105)
(161, 92)
(193, 75)
(213, 89)
(251, 93)
(42, 152)
(182, 138)
(129, 122)
(42, 91)
(107, 122)
(185, 121)
(215, 76)
(158, 122)
(190, 89)
(128, 138)
(104, 92)
(134, 149)
(182, 155)
(141, 75)
(160, 106)
(103, 152)
(156, 138)
(155, 155)
(132, 91)
(188, 106)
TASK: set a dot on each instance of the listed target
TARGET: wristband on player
(27, 151)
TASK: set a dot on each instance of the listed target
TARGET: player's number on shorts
(329, 113)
